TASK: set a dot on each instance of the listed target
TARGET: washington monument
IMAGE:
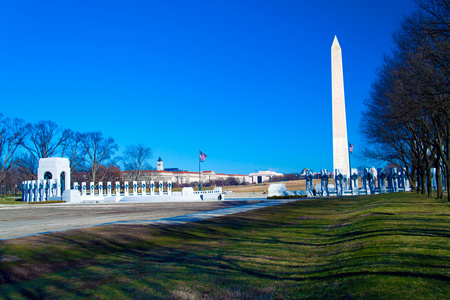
(340, 142)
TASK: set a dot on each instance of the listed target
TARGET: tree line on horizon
(406, 120)
(92, 156)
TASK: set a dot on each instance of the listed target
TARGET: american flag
(350, 147)
(202, 156)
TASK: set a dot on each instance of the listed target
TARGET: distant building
(263, 176)
(159, 165)
(181, 177)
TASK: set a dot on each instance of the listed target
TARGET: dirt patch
(9, 258)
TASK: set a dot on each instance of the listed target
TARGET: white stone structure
(55, 168)
(263, 176)
(340, 141)
(186, 177)
(277, 189)
(159, 165)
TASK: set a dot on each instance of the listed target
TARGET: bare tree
(98, 151)
(12, 136)
(45, 138)
(28, 165)
(73, 149)
(135, 158)
(407, 117)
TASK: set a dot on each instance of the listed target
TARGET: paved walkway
(27, 220)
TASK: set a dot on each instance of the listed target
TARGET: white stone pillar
(394, 180)
(35, 191)
(53, 187)
(58, 187)
(161, 188)
(126, 187)
(368, 177)
(117, 188)
(135, 188)
(83, 189)
(407, 185)
(24, 191)
(30, 191)
(76, 187)
(381, 180)
(152, 188)
(92, 189)
(42, 190)
(100, 189)
(169, 188)
(338, 182)
(108, 189)
(143, 189)
(354, 181)
(347, 182)
(47, 189)
(24, 194)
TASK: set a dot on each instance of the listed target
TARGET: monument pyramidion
(340, 141)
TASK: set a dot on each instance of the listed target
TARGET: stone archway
(56, 169)
(62, 179)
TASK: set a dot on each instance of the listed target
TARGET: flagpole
(199, 179)
(350, 166)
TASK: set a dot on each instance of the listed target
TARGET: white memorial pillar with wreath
(100, 189)
(83, 188)
(126, 189)
(135, 188)
(92, 188)
(152, 188)
(117, 189)
(108, 189)
(161, 188)
(169, 188)
(143, 189)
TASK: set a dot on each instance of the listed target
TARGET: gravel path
(24, 220)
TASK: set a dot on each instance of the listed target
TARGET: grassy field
(294, 185)
(11, 200)
(392, 246)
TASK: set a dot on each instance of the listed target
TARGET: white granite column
(135, 188)
(161, 188)
(169, 188)
(100, 189)
(35, 191)
(76, 187)
(117, 188)
(152, 188)
(92, 189)
(126, 187)
(83, 189)
(143, 189)
(58, 187)
(108, 189)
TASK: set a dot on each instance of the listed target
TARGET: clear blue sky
(247, 82)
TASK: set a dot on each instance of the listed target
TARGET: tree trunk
(448, 182)
(429, 182)
(438, 181)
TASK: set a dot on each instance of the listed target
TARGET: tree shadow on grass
(122, 259)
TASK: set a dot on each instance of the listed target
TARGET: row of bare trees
(407, 115)
(91, 155)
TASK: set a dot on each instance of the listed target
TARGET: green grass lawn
(393, 246)
(11, 200)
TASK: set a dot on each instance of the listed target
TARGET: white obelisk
(340, 142)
